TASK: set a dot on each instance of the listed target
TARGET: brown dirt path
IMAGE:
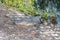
(24, 30)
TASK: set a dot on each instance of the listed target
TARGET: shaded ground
(17, 26)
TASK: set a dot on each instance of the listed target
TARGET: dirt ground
(10, 29)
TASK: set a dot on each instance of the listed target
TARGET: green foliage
(25, 6)
(45, 3)
(45, 15)
(58, 15)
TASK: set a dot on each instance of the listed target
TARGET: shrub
(45, 15)
(23, 5)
